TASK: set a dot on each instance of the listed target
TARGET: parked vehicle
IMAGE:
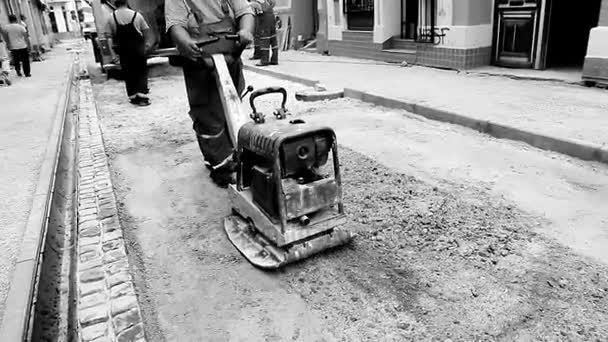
(152, 10)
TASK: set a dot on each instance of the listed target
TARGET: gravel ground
(436, 257)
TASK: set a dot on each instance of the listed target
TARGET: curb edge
(16, 322)
(573, 148)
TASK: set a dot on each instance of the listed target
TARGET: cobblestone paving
(108, 309)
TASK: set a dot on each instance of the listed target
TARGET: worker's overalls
(131, 49)
(266, 24)
(206, 109)
(256, 36)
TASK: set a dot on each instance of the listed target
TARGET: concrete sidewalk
(28, 112)
(556, 110)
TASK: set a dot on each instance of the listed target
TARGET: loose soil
(433, 260)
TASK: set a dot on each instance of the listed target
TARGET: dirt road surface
(460, 237)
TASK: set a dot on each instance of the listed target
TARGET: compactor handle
(266, 91)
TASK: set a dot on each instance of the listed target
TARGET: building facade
(36, 20)
(63, 17)
(464, 34)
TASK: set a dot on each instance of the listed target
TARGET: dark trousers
(256, 38)
(135, 71)
(269, 46)
(269, 50)
(206, 110)
(21, 57)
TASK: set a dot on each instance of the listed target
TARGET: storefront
(444, 33)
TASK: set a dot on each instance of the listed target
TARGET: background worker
(257, 11)
(189, 21)
(266, 24)
(18, 43)
(132, 39)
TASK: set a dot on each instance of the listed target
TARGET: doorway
(359, 14)
(409, 19)
(515, 33)
(53, 21)
(569, 24)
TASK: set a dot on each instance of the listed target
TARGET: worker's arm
(149, 40)
(244, 14)
(185, 44)
(176, 18)
(146, 31)
(246, 27)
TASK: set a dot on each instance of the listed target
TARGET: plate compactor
(284, 208)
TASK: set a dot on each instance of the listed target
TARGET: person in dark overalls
(189, 21)
(131, 36)
(266, 24)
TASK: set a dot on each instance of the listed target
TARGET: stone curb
(524, 78)
(574, 148)
(577, 149)
(107, 305)
(313, 96)
(20, 300)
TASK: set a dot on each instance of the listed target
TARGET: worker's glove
(245, 37)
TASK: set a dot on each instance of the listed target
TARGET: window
(353, 6)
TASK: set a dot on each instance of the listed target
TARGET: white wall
(468, 37)
(387, 19)
(598, 42)
(444, 12)
(336, 22)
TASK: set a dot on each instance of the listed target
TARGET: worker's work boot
(264, 57)
(256, 53)
(224, 175)
(275, 56)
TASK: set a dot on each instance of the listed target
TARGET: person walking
(267, 30)
(189, 21)
(18, 43)
(132, 40)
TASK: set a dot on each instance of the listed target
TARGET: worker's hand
(187, 48)
(245, 37)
